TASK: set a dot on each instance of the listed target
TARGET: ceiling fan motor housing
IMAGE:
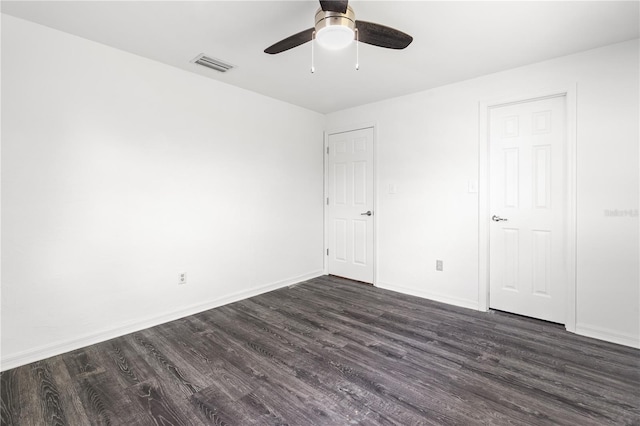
(329, 19)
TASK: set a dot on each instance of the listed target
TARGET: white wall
(119, 172)
(428, 146)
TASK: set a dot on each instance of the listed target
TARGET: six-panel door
(527, 264)
(351, 205)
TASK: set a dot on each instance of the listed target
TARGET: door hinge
(327, 200)
(327, 252)
(327, 150)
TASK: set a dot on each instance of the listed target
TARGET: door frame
(325, 156)
(570, 178)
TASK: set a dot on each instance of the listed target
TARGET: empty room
(320, 213)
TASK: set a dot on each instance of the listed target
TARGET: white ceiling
(453, 40)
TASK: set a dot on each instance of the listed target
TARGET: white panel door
(527, 185)
(350, 200)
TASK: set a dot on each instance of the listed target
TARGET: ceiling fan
(336, 27)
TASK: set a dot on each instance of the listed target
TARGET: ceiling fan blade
(381, 36)
(290, 42)
(339, 6)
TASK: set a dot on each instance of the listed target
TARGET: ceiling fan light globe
(335, 37)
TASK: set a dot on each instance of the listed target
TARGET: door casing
(344, 129)
(570, 178)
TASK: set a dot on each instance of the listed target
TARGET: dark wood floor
(334, 352)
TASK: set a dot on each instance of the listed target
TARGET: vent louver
(213, 63)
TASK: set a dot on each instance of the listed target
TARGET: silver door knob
(366, 213)
(498, 219)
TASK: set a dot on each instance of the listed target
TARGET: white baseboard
(586, 330)
(46, 351)
(463, 303)
(608, 335)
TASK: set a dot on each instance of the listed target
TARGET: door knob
(498, 219)
(366, 213)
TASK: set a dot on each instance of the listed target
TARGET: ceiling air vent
(213, 63)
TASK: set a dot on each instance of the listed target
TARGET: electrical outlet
(439, 265)
(182, 278)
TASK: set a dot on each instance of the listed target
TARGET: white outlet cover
(182, 278)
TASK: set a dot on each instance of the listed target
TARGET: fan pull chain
(357, 51)
(313, 39)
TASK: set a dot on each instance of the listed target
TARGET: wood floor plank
(123, 361)
(23, 406)
(156, 406)
(70, 400)
(330, 351)
(218, 408)
(48, 392)
(83, 362)
(10, 395)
